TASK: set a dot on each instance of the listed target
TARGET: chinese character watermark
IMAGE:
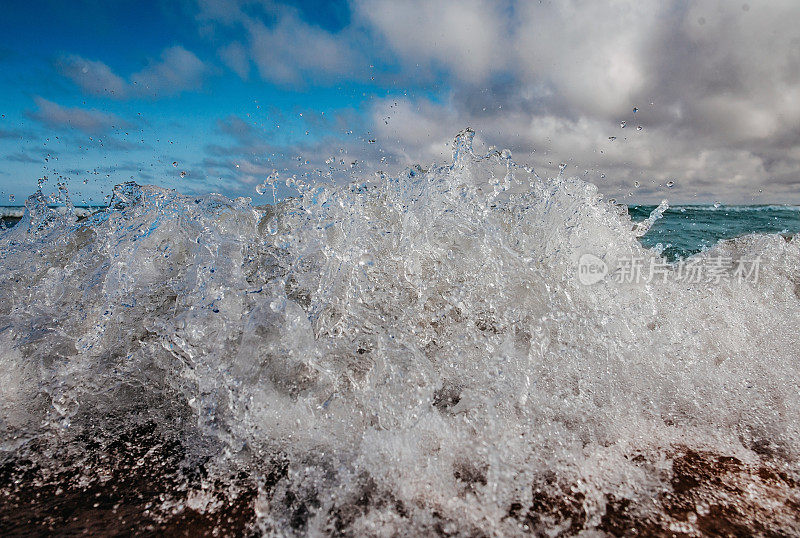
(712, 270)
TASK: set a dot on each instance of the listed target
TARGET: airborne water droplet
(639, 127)
(183, 174)
(622, 124)
(175, 164)
(670, 184)
(717, 204)
(612, 138)
(636, 184)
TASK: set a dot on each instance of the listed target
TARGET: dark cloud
(714, 87)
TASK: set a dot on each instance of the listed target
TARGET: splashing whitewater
(397, 355)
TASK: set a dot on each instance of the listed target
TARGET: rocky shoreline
(142, 484)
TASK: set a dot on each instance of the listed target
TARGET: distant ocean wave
(740, 208)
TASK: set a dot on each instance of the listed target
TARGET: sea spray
(644, 226)
(410, 354)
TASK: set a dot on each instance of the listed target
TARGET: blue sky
(206, 95)
(74, 107)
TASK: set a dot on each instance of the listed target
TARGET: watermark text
(712, 270)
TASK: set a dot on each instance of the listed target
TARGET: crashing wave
(398, 355)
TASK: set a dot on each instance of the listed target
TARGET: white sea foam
(426, 333)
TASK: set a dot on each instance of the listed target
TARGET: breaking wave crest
(401, 354)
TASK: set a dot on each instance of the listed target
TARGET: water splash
(643, 227)
(396, 355)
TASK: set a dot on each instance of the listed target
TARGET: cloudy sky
(217, 95)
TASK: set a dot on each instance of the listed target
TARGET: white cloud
(93, 77)
(176, 70)
(284, 48)
(715, 83)
(236, 58)
(468, 37)
(293, 52)
(88, 121)
(592, 54)
(219, 11)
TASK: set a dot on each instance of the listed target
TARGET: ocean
(466, 350)
(684, 230)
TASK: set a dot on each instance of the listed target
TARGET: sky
(692, 101)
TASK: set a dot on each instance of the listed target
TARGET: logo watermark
(712, 270)
(591, 269)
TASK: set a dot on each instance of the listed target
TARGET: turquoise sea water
(684, 230)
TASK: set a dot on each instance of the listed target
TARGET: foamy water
(416, 349)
